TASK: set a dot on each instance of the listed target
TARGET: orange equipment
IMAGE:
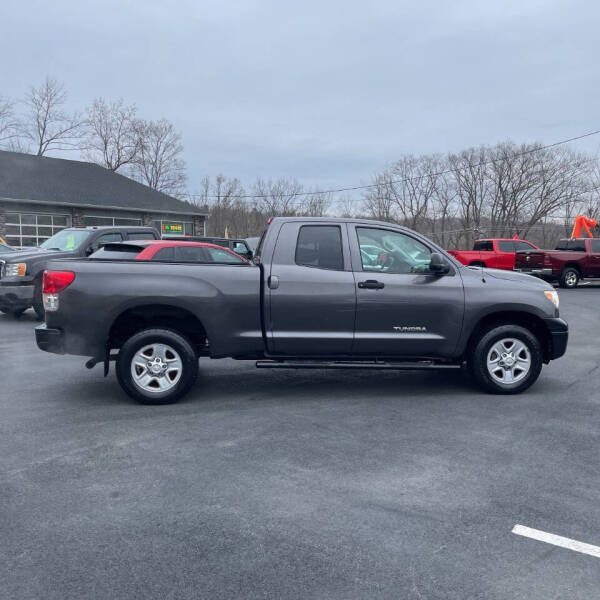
(583, 223)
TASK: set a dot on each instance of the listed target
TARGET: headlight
(15, 269)
(552, 295)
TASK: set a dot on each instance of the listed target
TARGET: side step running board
(353, 364)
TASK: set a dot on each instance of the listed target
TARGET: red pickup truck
(495, 253)
(571, 261)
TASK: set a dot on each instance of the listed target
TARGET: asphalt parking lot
(310, 484)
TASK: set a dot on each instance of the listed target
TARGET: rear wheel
(569, 278)
(157, 366)
(506, 359)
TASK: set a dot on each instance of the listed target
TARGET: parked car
(21, 272)
(239, 246)
(168, 251)
(571, 261)
(308, 300)
(495, 253)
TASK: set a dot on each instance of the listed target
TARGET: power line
(396, 181)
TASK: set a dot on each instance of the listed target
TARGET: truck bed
(105, 289)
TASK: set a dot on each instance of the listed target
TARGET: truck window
(320, 246)
(506, 246)
(596, 246)
(107, 238)
(483, 246)
(391, 252)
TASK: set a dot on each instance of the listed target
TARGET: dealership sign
(172, 227)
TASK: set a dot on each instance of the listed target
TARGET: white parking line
(557, 540)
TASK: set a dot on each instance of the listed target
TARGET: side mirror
(89, 251)
(437, 264)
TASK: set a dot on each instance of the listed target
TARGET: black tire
(180, 344)
(38, 299)
(477, 264)
(569, 278)
(482, 347)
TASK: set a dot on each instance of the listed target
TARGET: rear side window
(596, 246)
(506, 246)
(483, 245)
(195, 254)
(320, 246)
(165, 254)
(140, 235)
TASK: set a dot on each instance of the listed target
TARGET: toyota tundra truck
(319, 293)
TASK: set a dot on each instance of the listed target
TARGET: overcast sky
(326, 92)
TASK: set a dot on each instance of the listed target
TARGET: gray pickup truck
(322, 293)
(21, 272)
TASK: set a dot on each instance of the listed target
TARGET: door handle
(273, 282)
(371, 284)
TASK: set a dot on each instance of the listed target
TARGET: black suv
(21, 272)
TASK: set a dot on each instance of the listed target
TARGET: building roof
(26, 177)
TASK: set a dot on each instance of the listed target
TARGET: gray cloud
(326, 92)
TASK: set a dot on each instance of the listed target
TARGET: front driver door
(402, 309)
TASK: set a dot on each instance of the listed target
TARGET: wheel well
(526, 320)
(178, 319)
(572, 266)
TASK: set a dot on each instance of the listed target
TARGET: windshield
(67, 239)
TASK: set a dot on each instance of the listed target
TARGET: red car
(495, 253)
(169, 251)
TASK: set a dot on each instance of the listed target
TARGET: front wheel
(157, 366)
(569, 278)
(506, 360)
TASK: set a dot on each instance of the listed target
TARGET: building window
(182, 228)
(27, 229)
(92, 221)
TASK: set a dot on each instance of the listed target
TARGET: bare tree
(159, 163)
(112, 136)
(8, 122)
(46, 124)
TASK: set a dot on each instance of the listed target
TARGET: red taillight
(56, 281)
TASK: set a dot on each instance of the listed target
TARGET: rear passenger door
(310, 292)
(506, 257)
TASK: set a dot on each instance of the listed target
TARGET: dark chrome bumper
(559, 336)
(50, 340)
